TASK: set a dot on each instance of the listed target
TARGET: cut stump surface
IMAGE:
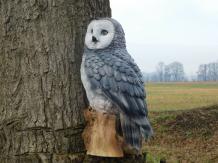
(100, 136)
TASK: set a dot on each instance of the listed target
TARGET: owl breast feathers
(109, 73)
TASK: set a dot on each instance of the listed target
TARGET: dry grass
(183, 134)
(180, 96)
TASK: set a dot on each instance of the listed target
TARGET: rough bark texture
(41, 95)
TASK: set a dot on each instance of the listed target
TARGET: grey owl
(113, 81)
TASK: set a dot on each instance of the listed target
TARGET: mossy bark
(41, 94)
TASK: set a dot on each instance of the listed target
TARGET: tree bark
(41, 95)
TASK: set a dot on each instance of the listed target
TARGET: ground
(185, 120)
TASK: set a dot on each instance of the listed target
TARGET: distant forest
(174, 72)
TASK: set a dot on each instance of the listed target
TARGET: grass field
(184, 117)
(180, 96)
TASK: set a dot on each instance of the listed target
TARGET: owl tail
(146, 128)
(134, 130)
(131, 133)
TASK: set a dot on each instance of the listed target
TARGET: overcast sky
(169, 30)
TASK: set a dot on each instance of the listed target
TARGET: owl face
(100, 34)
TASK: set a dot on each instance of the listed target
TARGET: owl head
(105, 33)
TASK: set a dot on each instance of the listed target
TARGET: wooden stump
(100, 136)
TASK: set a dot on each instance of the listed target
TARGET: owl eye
(91, 30)
(104, 32)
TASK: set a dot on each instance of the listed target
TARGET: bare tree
(202, 72)
(208, 72)
(212, 71)
(216, 67)
(176, 71)
(160, 71)
(167, 74)
(172, 72)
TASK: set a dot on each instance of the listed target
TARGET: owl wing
(120, 80)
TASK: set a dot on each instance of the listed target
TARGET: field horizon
(181, 95)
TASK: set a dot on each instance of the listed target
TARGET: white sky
(169, 30)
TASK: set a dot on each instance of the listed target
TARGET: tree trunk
(41, 95)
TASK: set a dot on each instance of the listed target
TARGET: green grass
(152, 158)
(181, 96)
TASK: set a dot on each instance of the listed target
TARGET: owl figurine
(113, 82)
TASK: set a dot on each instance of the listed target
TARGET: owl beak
(94, 39)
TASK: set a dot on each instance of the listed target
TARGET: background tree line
(208, 72)
(174, 72)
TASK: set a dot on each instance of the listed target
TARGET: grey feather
(101, 71)
(97, 76)
(105, 83)
(117, 76)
